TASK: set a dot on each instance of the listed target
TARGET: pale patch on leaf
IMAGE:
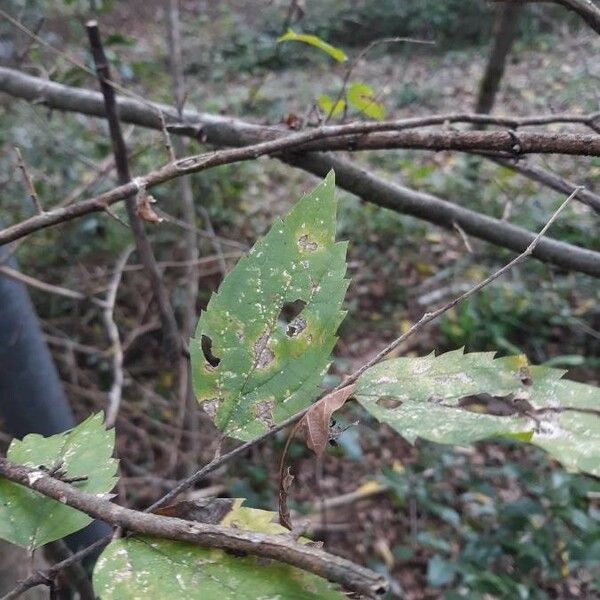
(253, 369)
(459, 398)
(146, 567)
(30, 519)
(317, 42)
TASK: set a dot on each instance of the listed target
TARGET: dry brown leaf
(315, 426)
(203, 510)
(315, 423)
(143, 208)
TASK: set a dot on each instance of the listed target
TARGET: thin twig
(37, 205)
(430, 316)
(143, 246)
(116, 348)
(49, 288)
(361, 55)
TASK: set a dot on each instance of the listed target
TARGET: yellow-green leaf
(317, 42)
(146, 567)
(326, 105)
(362, 97)
(29, 519)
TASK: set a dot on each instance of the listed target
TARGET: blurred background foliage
(500, 520)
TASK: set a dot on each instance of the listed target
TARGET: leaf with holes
(31, 520)
(263, 344)
(317, 42)
(145, 567)
(460, 398)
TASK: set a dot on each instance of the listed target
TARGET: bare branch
(339, 570)
(430, 316)
(220, 130)
(550, 180)
(16, 275)
(360, 182)
(586, 9)
(120, 152)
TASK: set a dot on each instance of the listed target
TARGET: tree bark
(505, 30)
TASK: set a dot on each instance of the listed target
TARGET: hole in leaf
(305, 243)
(525, 376)
(388, 402)
(290, 316)
(206, 344)
(498, 406)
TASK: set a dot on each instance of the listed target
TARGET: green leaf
(251, 370)
(146, 567)
(326, 105)
(362, 97)
(317, 42)
(31, 520)
(460, 398)
(440, 571)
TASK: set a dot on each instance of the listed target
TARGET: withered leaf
(143, 208)
(315, 423)
(202, 510)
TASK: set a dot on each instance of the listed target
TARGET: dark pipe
(31, 396)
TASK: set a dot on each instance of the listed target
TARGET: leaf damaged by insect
(140, 566)
(458, 398)
(272, 324)
(81, 455)
(499, 406)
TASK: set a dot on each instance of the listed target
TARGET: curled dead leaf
(315, 425)
(143, 207)
(202, 510)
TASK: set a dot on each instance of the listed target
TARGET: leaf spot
(306, 245)
(263, 411)
(389, 402)
(263, 355)
(211, 407)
